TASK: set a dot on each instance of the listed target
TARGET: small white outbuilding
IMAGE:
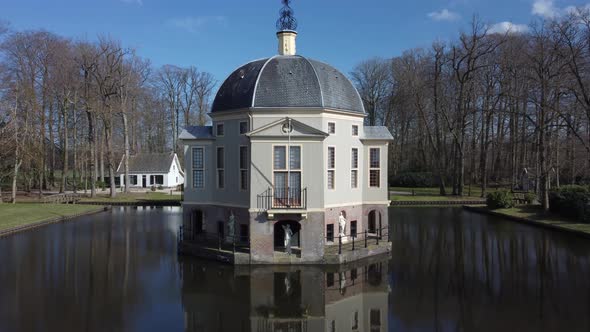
(152, 169)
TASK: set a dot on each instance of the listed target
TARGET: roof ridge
(252, 104)
(317, 77)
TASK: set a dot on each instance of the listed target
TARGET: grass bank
(536, 216)
(18, 215)
(424, 195)
(133, 198)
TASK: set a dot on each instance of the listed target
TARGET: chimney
(287, 42)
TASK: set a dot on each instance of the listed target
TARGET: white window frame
(378, 169)
(331, 169)
(217, 129)
(194, 170)
(241, 170)
(355, 130)
(240, 127)
(332, 132)
(219, 170)
(354, 168)
(287, 161)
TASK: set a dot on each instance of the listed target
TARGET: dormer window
(331, 128)
(219, 130)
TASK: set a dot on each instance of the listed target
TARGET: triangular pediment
(280, 127)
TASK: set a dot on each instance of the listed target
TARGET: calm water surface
(450, 270)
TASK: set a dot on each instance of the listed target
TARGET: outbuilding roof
(149, 163)
(287, 81)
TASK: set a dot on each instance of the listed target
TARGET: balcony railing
(282, 198)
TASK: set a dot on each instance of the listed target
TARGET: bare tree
(372, 79)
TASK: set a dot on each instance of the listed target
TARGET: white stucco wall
(314, 160)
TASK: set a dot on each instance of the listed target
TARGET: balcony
(285, 198)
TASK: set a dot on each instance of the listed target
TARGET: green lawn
(432, 194)
(536, 214)
(134, 197)
(397, 198)
(13, 215)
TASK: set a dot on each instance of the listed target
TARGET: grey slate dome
(287, 81)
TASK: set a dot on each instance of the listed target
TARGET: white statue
(288, 235)
(342, 223)
(231, 224)
(287, 285)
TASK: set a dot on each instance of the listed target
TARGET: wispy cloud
(545, 8)
(133, 2)
(444, 15)
(196, 24)
(508, 27)
(548, 9)
(574, 9)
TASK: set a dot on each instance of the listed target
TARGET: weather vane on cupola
(286, 20)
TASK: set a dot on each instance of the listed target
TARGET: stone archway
(279, 234)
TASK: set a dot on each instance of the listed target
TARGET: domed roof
(287, 81)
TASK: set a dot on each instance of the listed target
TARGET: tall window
(287, 181)
(375, 320)
(355, 318)
(330, 232)
(354, 165)
(243, 167)
(355, 130)
(331, 167)
(331, 128)
(243, 127)
(198, 168)
(220, 167)
(220, 130)
(374, 167)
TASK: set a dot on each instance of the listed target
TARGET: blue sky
(219, 35)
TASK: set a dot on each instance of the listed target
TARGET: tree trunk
(64, 175)
(52, 146)
(126, 157)
(92, 153)
(17, 163)
(102, 139)
(75, 146)
(107, 121)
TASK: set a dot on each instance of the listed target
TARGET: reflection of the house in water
(285, 298)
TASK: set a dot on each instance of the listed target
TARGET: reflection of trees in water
(454, 271)
(86, 275)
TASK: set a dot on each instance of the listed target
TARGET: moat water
(450, 270)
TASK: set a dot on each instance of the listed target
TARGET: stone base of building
(240, 258)
(259, 237)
